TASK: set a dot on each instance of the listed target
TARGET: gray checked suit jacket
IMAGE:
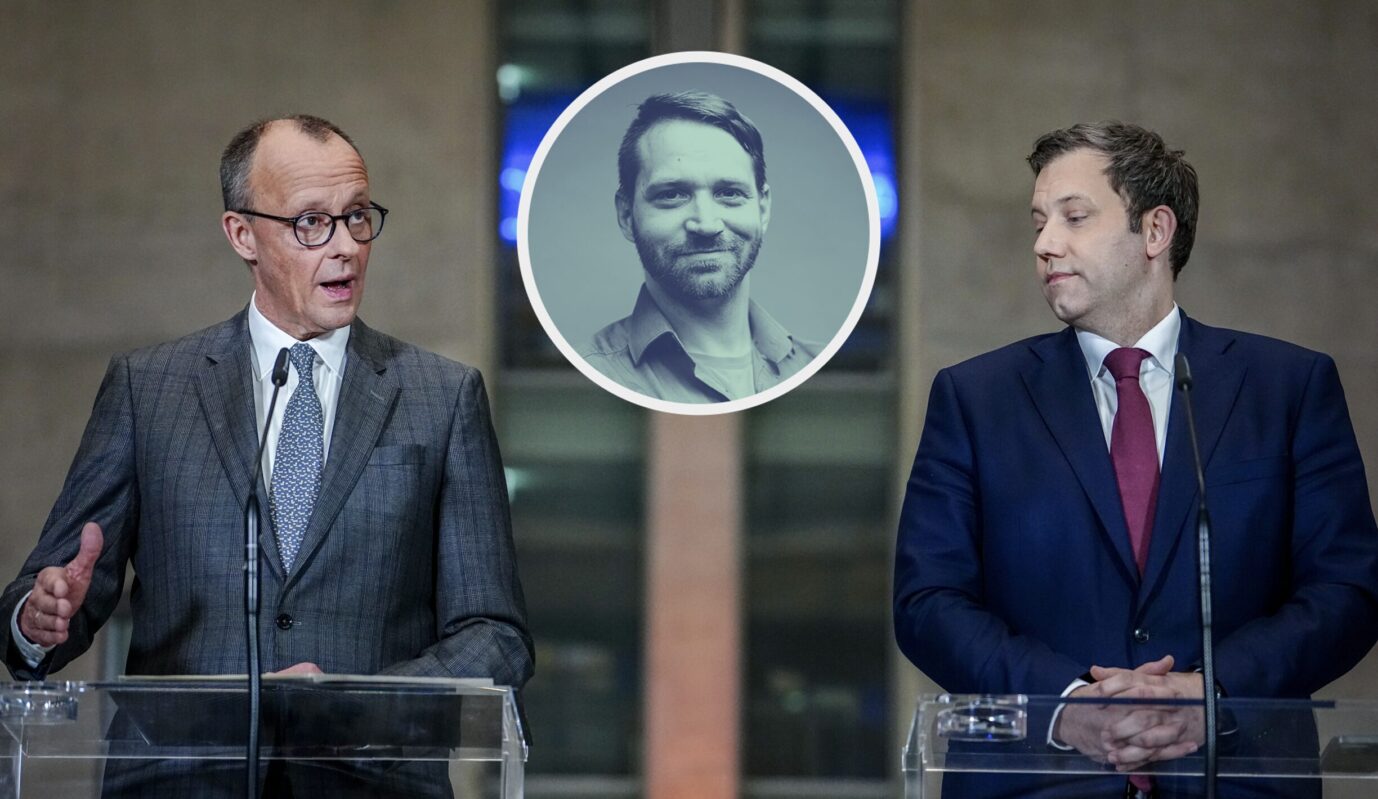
(407, 566)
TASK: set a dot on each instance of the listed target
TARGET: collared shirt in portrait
(642, 352)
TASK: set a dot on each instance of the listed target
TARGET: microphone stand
(1203, 571)
(252, 582)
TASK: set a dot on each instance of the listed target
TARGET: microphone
(279, 379)
(1182, 368)
(252, 580)
(1182, 377)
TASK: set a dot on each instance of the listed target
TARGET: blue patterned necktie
(298, 460)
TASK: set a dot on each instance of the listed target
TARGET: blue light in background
(531, 115)
(869, 123)
(512, 178)
(528, 118)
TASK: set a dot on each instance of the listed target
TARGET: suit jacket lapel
(1216, 380)
(1061, 390)
(225, 387)
(366, 398)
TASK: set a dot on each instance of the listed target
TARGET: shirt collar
(648, 323)
(1160, 342)
(268, 339)
(768, 336)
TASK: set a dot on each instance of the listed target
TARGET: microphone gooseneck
(252, 581)
(1182, 377)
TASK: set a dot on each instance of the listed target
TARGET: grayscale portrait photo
(698, 235)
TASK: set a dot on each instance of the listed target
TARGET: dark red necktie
(1134, 450)
(1134, 453)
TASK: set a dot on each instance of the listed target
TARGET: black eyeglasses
(314, 228)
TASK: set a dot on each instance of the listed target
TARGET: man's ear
(624, 216)
(1158, 226)
(765, 207)
(240, 235)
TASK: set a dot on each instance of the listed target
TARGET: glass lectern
(379, 736)
(999, 746)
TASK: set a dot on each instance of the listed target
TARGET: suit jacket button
(1140, 635)
(284, 622)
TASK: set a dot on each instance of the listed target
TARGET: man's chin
(706, 288)
(698, 285)
(335, 318)
(1066, 312)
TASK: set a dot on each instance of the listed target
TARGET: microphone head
(279, 376)
(1182, 372)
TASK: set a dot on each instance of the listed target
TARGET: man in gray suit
(387, 540)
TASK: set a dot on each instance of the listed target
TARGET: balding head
(236, 162)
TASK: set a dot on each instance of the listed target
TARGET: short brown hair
(693, 106)
(1142, 170)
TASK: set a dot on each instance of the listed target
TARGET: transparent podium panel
(320, 736)
(1004, 746)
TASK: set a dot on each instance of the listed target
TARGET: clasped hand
(1130, 736)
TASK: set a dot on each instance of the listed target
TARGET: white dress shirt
(1155, 378)
(1155, 374)
(327, 375)
(267, 339)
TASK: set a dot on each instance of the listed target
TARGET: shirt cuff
(1057, 714)
(32, 653)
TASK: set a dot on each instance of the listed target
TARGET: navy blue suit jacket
(1013, 569)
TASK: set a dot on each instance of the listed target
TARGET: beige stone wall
(112, 118)
(1273, 102)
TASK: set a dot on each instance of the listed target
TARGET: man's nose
(341, 244)
(1049, 243)
(705, 219)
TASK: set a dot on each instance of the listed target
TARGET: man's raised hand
(59, 591)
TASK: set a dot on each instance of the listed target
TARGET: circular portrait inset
(698, 233)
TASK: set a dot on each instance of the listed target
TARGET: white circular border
(872, 249)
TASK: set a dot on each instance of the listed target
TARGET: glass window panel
(549, 52)
(574, 470)
(574, 454)
(819, 466)
(847, 51)
(821, 460)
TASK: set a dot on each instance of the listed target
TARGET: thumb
(79, 570)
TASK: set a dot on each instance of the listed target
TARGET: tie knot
(303, 358)
(1124, 362)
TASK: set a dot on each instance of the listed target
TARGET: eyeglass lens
(363, 225)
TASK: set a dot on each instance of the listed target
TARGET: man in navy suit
(1047, 539)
